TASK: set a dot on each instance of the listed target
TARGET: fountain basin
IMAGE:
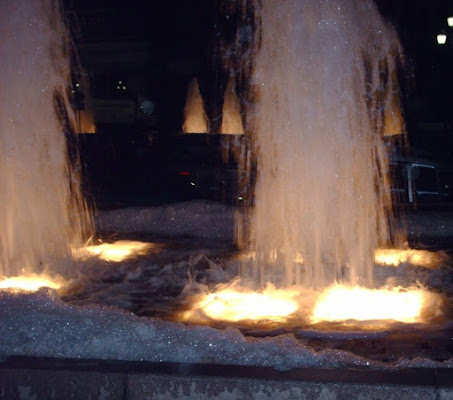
(45, 378)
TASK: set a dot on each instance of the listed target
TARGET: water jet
(43, 213)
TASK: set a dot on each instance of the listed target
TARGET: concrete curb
(45, 378)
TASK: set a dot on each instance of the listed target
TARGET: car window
(425, 179)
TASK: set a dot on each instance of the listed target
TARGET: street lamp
(450, 21)
(441, 38)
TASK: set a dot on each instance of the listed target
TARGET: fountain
(319, 213)
(43, 213)
(326, 93)
(324, 79)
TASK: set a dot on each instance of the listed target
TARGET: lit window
(119, 86)
(441, 38)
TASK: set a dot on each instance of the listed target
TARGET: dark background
(156, 47)
(427, 79)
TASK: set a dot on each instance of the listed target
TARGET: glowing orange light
(238, 305)
(30, 283)
(120, 250)
(342, 303)
(337, 303)
(195, 120)
(396, 257)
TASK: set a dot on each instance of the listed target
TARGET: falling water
(231, 113)
(325, 80)
(195, 120)
(41, 207)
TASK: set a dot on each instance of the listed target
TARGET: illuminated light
(120, 82)
(124, 87)
(338, 304)
(231, 111)
(396, 257)
(30, 283)
(193, 184)
(77, 84)
(450, 21)
(184, 173)
(119, 251)
(239, 305)
(195, 119)
(118, 87)
(299, 259)
(441, 38)
(342, 303)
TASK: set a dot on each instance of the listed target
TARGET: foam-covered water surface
(41, 324)
(128, 310)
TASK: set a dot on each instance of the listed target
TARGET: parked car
(420, 183)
